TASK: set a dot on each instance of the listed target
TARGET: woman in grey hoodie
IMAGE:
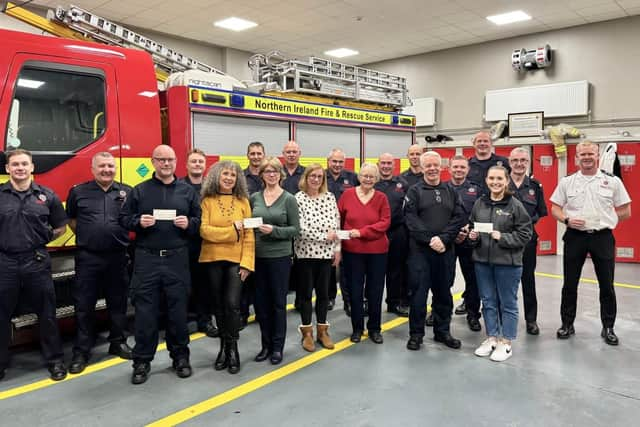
(501, 230)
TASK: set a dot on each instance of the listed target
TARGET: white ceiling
(378, 29)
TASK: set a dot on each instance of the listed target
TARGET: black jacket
(510, 218)
(154, 194)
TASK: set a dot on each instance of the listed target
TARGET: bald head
(482, 143)
(385, 165)
(291, 153)
(164, 163)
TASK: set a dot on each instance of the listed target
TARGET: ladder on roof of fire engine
(323, 77)
(101, 29)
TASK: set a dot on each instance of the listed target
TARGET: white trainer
(486, 347)
(502, 352)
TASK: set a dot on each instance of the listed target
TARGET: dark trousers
(225, 286)
(25, 278)
(313, 274)
(247, 296)
(396, 276)
(369, 268)
(200, 295)
(430, 270)
(96, 272)
(470, 294)
(601, 246)
(154, 275)
(338, 276)
(529, 260)
(272, 284)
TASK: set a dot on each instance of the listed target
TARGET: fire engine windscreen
(56, 110)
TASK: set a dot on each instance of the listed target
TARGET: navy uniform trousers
(155, 274)
(95, 272)
(27, 278)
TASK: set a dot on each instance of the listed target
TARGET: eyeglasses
(368, 176)
(316, 177)
(164, 160)
(270, 172)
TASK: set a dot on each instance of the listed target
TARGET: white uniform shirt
(592, 198)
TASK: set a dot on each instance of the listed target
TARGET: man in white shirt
(590, 203)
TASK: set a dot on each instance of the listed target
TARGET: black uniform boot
(221, 361)
(233, 357)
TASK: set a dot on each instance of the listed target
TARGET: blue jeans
(498, 288)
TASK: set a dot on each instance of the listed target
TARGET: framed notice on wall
(526, 124)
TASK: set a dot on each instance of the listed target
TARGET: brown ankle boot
(323, 336)
(307, 337)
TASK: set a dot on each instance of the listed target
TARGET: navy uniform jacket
(468, 193)
(195, 242)
(478, 169)
(154, 194)
(96, 213)
(291, 182)
(532, 197)
(254, 182)
(395, 189)
(433, 210)
(346, 179)
(28, 218)
(412, 178)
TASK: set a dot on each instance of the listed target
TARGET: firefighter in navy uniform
(529, 191)
(101, 260)
(30, 217)
(338, 180)
(468, 193)
(200, 297)
(165, 214)
(395, 188)
(483, 159)
(434, 216)
(255, 155)
(413, 175)
(590, 203)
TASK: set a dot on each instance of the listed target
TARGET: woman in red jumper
(365, 214)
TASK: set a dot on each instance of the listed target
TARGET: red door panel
(544, 167)
(446, 154)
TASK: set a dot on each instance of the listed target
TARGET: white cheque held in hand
(483, 227)
(164, 214)
(252, 222)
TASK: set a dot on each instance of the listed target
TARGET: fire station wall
(459, 77)
(228, 136)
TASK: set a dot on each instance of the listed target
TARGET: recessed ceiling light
(235, 24)
(509, 18)
(342, 52)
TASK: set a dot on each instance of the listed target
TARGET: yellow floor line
(257, 383)
(582, 279)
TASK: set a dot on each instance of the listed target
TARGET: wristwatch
(566, 220)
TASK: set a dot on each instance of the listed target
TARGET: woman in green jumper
(280, 224)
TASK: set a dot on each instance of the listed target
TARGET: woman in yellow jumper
(228, 252)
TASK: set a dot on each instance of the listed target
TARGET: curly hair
(211, 184)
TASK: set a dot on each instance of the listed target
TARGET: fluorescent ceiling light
(509, 18)
(235, 24)
(342, 52)
(31, 84)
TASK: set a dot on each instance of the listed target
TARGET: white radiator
(555, 100)
(424, 109)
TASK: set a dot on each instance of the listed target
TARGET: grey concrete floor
(579, 382)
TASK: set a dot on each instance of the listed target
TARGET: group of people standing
(234, 237)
